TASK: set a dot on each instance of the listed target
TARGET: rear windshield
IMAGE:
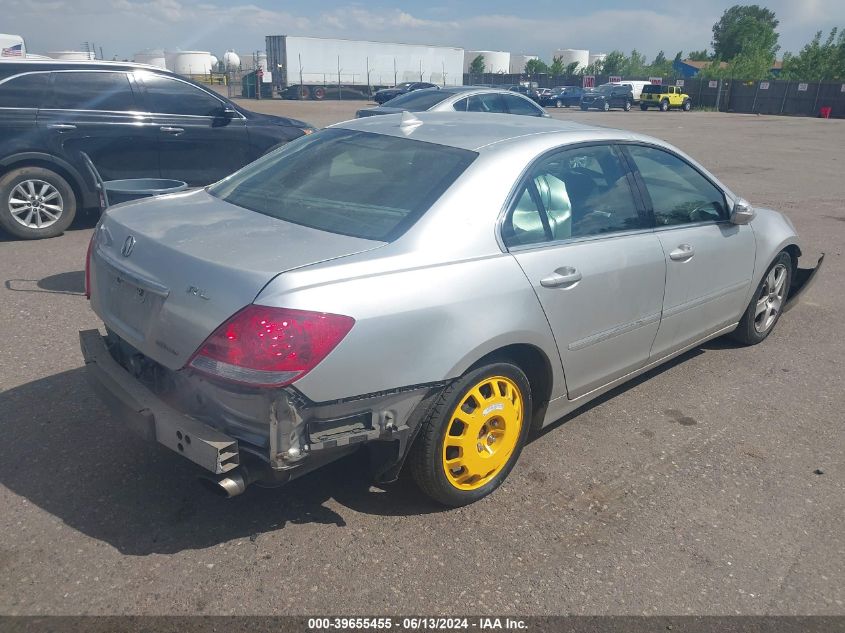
(419, 100)
(361, 184)
(653, 90)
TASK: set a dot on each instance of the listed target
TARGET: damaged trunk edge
(276, 435)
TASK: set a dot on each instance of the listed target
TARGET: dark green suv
(608, 96)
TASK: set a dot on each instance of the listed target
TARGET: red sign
(589, 81)
(656, 81)
(615, 80)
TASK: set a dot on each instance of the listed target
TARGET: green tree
(477, 65)
(699, 56)
(744, 26)
(614, 63)
(635, 65)
(536, 67)
(817, 61)
(556, 68)
(572, 69)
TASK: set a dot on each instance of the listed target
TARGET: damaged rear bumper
(280, 433)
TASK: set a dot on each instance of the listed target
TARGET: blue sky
(123, 27)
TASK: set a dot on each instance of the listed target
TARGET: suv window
(573, 193)
(91, 90)
(418, 100)
(517, 105)
(172, 96)
(25, 91)
(679, 193)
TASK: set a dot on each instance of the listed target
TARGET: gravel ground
(712, 485)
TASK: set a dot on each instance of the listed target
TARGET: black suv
(608, 96)
(133, 121)
(386, 94)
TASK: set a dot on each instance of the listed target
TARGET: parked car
(664, 98)
(563, 97)
(460, 99)
(608, 96)
(531, 93)
(386, 94)
(132, 120)
(636, 87)
(424, 288)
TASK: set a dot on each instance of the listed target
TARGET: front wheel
(767, 304)
(35, 203)
(606, 106)
(558, 103)
(584, 108)
(472, 435)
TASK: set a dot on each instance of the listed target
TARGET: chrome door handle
(175, 131)
(61, 126)
(683, 253)
(565, 276)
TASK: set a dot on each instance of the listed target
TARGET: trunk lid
(167, 271)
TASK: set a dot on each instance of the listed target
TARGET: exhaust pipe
(229, 484)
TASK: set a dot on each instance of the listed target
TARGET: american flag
(13, 51)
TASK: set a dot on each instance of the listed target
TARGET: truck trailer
(325, 68)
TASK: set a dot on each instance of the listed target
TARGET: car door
(198, 142)
(21, 95)
(97, 112)
(524, 107)
(586, 245)
(709, 261)
(486, 102)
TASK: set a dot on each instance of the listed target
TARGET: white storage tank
(214, 62)
(170, 59)
(153, 57)
(572, 55)
(518, 63)
(597, 57)
(231, 61)
(192, 63)
(494, 61)
(71, 55)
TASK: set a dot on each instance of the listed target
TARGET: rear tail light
(88, 266)
(270, 347)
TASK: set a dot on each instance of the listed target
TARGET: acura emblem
(128, 245)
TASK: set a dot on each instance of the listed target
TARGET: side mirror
(742, 212)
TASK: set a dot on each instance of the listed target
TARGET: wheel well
(794, 253)
(64, 173)
(537, 368)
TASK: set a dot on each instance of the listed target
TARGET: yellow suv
(664, 97)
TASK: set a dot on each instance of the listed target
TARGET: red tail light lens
(270, 347)
(88, 266)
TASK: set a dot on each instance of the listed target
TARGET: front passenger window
(679, 193)
(167, 95)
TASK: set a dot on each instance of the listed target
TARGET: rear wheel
(606, 106)
(319, 93)
(558, 103)
(473, 435)
(664, 106)
(627, 106)
(584, 108)
(35, 203)
(767, 304)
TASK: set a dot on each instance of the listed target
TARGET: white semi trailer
(325, 68)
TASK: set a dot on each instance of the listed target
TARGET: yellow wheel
(473, 434)
(482, 433)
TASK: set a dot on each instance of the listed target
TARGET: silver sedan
(425, 288)
(459, 99)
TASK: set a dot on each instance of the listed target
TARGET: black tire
(318, 93)
(11, 179)
(627, 106)
(606, 106)
(664, 106)
(558, 103)
(584, 108)
(426, 458)
(687, 106)
(643, 107)
(746, 332)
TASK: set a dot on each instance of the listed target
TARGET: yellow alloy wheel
(482, 433)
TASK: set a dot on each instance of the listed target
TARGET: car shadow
(64, 452)
(69, 283)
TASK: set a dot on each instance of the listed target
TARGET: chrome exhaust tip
(228, 485)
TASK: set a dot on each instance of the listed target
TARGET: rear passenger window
(91, 90)
(517, 105)
(577, 192)
(25, 91)
(486, 103)
(679, 193)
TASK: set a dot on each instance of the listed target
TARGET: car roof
(474, 130)
(25, 65)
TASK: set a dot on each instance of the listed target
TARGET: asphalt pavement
(712, 485)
